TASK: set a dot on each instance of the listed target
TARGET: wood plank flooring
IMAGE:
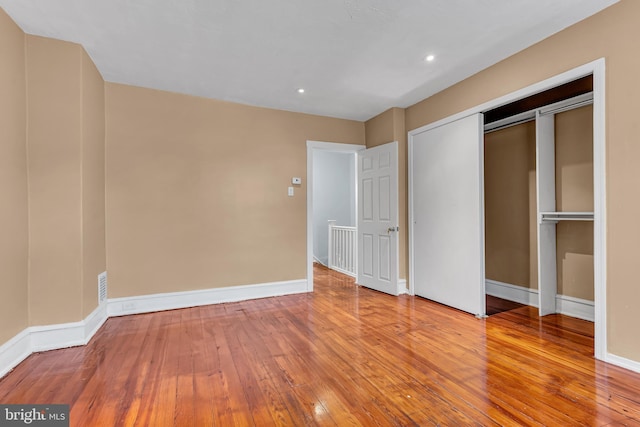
(497, 305)
(342, 356)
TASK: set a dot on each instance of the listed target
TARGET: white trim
(483, 263)
(511, 292)
(410, 222)
(311, 147)
(345, 272)
(50, 337)
(402, 286)
(569, 306)
(63, 335)
(597, 69)
(14, 351)
(575, 307)
(623, 362)
(173, 300)
(599, 211)
(94, 321)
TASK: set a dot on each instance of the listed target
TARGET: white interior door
(448, 214)
(378, 218)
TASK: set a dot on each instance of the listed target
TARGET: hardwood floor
(343, 355)
(497, 305)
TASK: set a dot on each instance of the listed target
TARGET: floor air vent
(102, 287)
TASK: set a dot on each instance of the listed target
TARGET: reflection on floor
(497, 305)
(341, 355)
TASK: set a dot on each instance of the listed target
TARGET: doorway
(318, 154)
(334, 210)
(376, 205)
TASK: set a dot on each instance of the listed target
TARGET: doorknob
(392, 229)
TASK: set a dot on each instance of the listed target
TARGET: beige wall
(381, 129)
(611, 34)
(13, 181)
(53, 144)
(54, 95)
(574, 160)
(197, 191)
(93, 185)
(65, 139)
(574, 192)
(510, 209)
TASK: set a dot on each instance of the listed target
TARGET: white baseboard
(339, 270)
(402, 286)
(623, 362)
(569, 306)
(315, 259)
(94, 321)
(42, 338)
(14, 351)
(173, 300)
(575, 307)
(52, 337)
(65, 335)
(511, 292)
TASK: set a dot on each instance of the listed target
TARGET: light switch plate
(290, 191)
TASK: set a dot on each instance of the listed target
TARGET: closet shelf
(564, 216)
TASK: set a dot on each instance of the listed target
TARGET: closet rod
(564, 216)
(527, 116)
(492, 127)
(568, 104)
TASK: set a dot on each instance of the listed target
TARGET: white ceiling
(354, 58)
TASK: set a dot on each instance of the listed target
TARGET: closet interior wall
(510, 205)
(511, 212)
(574, 193)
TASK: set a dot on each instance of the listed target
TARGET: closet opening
(539, 202)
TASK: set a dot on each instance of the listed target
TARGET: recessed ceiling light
(300, 90)
(429, 58)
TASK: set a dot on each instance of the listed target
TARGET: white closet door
(448, 214)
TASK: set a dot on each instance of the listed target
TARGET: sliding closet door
(448, 214)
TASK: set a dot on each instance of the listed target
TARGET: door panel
(378, 218)
(367, 199)
(384, 195)
(367, 256)
(385, 256)
(448, 214)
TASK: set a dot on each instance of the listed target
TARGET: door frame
(597, 69)
(314, 146)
